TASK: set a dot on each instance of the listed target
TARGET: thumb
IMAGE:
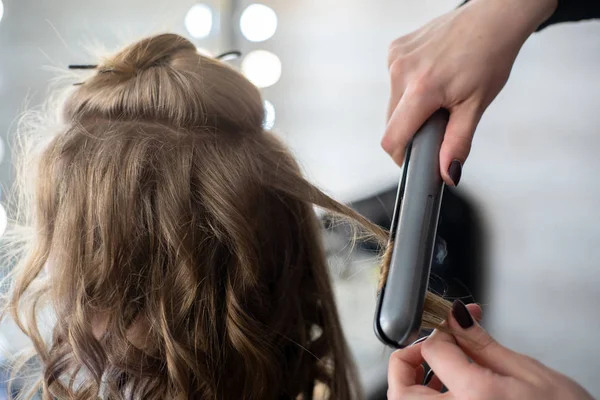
(483, 349)
(457, 141)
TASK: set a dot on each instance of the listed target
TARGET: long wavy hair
(176, 242)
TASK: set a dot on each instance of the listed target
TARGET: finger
(395, 97)
(475, 311)
(412, 111)
(482, 348)
(434, 382)
(457, 141)
(419, 374)
(406, 369)
(418, 392)
(403, 367)
(451, 364)
(399, 73)
(397, 90)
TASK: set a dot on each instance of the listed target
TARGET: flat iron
(401, 298)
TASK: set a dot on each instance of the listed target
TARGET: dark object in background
(461, 273)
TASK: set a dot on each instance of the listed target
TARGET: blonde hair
(163, 208)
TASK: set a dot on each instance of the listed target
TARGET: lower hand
(495, 373)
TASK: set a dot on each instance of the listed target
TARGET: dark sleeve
(571, 11)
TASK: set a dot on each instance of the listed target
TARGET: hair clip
(229, 55)
(82, 66)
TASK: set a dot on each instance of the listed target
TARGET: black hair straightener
(414, 224)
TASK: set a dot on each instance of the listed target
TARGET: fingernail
(455, 171)
(428, 377)
(462, 315)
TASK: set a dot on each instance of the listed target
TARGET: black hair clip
(82, 66)
(229, 55)
(85, 66)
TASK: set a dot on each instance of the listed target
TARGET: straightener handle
(414, 227)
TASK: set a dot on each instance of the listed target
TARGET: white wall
(534, 171)
(332, 97)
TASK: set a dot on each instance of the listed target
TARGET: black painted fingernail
(455, 171)
(462, 315)
(428, 377)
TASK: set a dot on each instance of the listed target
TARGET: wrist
(540, 11)
(529, 14)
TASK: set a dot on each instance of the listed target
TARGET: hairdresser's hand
(459, 61)
(495, 373)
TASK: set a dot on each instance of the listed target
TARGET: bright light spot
(3, 220)
(1, 10)
(199, 21)
(269, 115)
(204, 52)
(262, 68)
(258, 22)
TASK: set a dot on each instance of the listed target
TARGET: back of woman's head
(182, 252)
(175, 241)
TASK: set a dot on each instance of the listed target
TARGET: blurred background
(523, 230)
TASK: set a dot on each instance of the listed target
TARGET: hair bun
(151, 52)
(164, 78)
